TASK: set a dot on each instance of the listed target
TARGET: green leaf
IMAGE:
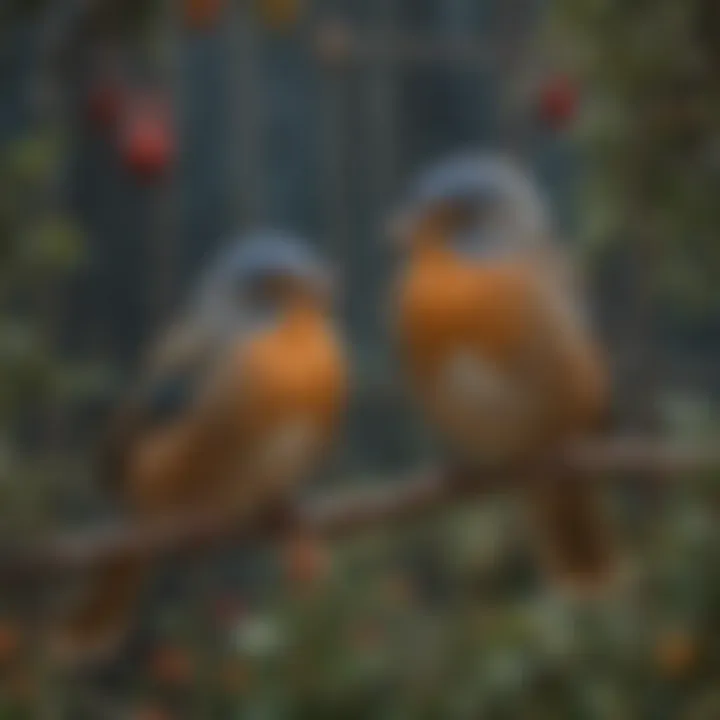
(31, 159)
(52, 245)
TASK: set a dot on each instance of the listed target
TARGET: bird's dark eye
(457, 216)
(265, 291)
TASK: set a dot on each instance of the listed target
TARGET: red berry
(558, 101)
(151, 712)
(235, 676)
(9, 641)
(148, 142)
(279, 14)
(306, 561)
(104, 102)
(676, 653)
(203, 14)
(172, 666)
(228, 611)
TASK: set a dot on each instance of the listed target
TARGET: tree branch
(340, 514)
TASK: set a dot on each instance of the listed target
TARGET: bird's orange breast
(298, 365)
(446, 303)
(495, 363)
(290, 380)
(296, 369)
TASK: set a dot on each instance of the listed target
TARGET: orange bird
(498, 350)
(237, 404)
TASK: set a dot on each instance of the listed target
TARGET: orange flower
(228, 611)
(398, 589)
(676, 654)
(366, 637)
(9, 642)
(306, 562)
(279, 14)
(172, 665)
(234, 677)
(151, 712)
(20, 686)
(203, 14)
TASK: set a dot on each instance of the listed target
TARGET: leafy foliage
(652, 132)
(40, 246)
(446, 619)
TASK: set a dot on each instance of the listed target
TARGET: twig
(345, 513)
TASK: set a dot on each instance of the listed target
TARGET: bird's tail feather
(572, 533)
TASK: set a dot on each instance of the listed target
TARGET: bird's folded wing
(173, 374)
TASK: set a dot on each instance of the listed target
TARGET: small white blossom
(259, 637)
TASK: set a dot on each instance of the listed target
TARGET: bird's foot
(281, 517)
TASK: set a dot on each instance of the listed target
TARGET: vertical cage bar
(246, 108)
(334, 146)
(165, 246)
(381, 88)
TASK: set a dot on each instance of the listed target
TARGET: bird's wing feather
(174, 371)
(566, 357)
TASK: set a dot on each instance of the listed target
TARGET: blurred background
(137, 135)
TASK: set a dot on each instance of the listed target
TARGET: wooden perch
(340, 514)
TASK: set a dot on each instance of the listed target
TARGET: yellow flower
(279, 14)
(675, 653)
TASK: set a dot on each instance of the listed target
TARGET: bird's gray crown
(264, 253)
(482, 179)
(252, 258)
